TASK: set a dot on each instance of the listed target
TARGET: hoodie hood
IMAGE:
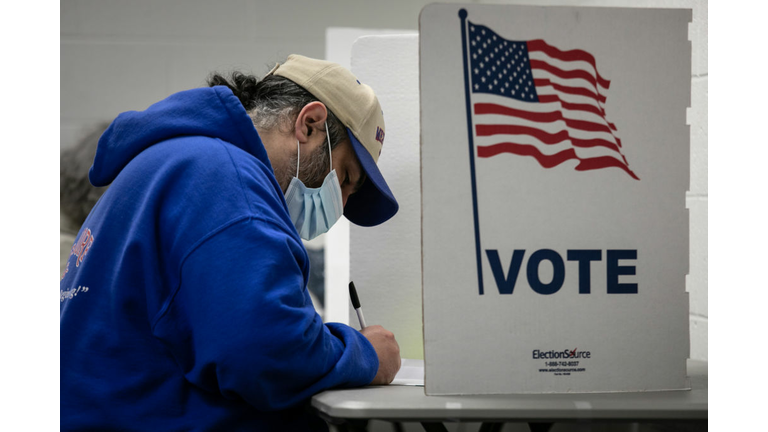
(213, 112)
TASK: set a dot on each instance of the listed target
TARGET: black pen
(356, 304)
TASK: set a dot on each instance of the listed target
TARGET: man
(184, 303)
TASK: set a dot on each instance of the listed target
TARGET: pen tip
(353, 295)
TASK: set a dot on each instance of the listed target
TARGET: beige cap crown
(354, 103)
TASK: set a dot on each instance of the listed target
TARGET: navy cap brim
(373, 203)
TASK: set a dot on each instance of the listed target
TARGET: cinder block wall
(119, 55)
(125, 55)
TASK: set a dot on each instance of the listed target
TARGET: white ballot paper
(411, 373)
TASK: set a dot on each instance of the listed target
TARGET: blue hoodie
(184, 305)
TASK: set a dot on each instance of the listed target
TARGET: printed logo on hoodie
(82, 246)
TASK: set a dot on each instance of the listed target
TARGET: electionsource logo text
(565, 354)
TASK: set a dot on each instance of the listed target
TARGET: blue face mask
(314, 210)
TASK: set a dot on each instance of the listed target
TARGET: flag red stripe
(542, 117)
(572, 55)
(603, 162)
(547, 161)
(576, 107)
(544, 137)
(569, 90)
(565, 74)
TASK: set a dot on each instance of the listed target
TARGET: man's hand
(387, 349)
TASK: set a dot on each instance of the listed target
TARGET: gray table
(410, 404)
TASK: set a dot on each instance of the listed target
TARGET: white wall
(125, 55)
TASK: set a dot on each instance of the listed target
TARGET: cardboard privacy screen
(555, 162)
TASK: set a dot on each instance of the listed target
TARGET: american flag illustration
(532, 99)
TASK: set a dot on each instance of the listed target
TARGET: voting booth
(554, 166)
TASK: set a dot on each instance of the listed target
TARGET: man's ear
(311, 119)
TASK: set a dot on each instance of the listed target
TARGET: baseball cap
(356, 105)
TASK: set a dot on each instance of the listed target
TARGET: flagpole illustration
(478, 250)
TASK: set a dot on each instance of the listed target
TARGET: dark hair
(76, 194)
(273, 100)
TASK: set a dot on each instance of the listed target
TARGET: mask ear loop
(298, 157)
(328, 136)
